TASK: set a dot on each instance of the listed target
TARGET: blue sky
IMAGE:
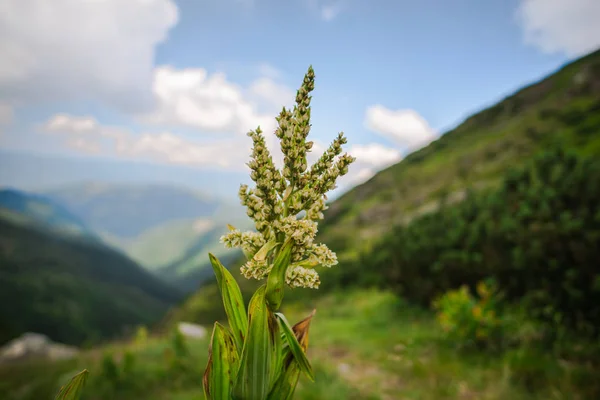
(172, 86)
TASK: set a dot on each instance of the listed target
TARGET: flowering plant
(260, 356)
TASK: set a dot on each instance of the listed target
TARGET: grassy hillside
(72, 290)
(563, 108)
(36, 210)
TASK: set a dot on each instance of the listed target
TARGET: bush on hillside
(472, 321)
(537, 235)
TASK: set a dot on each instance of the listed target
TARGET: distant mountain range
(127, 211)
(167, 229)
(37, 210)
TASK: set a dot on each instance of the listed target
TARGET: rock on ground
(192, 330)
(35, 345)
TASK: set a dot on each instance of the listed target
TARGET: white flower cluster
(250, 242)
(303, 277)
(280, 196)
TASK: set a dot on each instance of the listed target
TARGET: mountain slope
(169, 230)
(36, 210)
(563, 108)
(177, 251)
(160, 245)
(71, 289)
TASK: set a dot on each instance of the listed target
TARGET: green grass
(389, 350)
(363, 345)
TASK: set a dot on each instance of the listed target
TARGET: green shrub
(469, 320)
(128, 367)
(537, 235)
(141, 336)
(110, 370)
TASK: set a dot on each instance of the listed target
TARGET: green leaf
(72, 390)
(295, 347)
(285, 386)
(223, 363)
(260, 348)
(276, 278)
(277, 357)
(232, 301)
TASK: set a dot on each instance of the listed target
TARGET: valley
(466, 271)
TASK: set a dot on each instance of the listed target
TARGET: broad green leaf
(72, 390)
(295, 347)
(257, 361)
(277, 357)
(223, 363)
(232, 301)
(276, 278)
(285, 386)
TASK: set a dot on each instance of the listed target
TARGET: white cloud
(405, 127)
(191, 97)
(329, 12)
(272, 93)
(326, 9)
(72, 125)
(85, 134)
(84, 145)
(268, 71)
(561, 26)
(67, 49)
(173, 149)
(375, 155)
(370, 159)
